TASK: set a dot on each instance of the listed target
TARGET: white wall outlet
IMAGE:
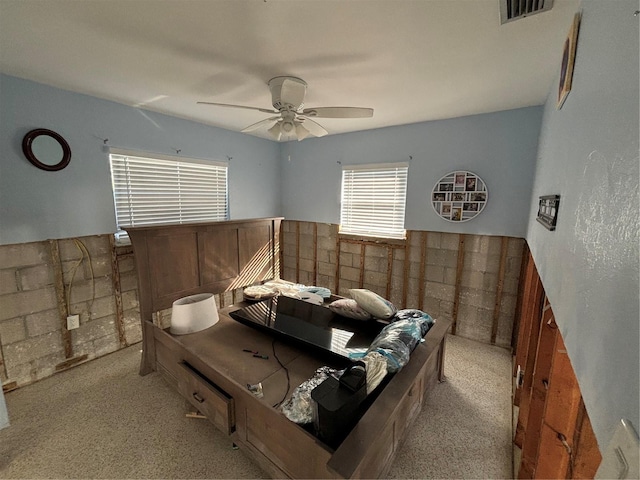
(73, 321)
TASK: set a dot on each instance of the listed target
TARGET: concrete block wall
(100, 285)
(471, 280)
(129, 294)
(42, 282)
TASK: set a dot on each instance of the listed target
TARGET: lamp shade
(193, 313)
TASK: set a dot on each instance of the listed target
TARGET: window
(373, 200)
(162, 189)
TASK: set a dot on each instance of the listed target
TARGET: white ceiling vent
(511, 10)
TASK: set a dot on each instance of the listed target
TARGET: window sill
(372, 240)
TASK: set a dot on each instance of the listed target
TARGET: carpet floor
(102, 420)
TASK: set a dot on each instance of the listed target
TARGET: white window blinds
(152, 190)
(373, 200)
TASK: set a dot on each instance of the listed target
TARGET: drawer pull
(198, 398)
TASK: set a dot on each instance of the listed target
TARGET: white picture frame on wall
(459, 196)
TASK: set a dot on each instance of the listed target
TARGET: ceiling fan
(287, 94)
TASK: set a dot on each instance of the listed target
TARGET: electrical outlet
(73, 321)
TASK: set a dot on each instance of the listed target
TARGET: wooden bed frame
(211, 370)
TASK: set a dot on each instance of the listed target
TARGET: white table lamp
(193, 313)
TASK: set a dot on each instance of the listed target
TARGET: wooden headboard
(174, 261)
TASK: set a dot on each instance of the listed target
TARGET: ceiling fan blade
(265, 110)
(292, 92)
(259, 124)
(276, 131)
(314, 128)
(338, 112)
(301, 131)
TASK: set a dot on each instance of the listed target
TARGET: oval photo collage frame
(459, 196)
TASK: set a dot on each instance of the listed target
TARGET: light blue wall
(589, 266)
(587, 152)
(4, 415)
(77, 201)
(500, 147)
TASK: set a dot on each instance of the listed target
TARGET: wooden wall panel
(563, 411)
(177, 265)
(423, 268)
(255, 252)
(60, 294)
(117, 293)
(539, 386)
(553, 458)
(553, 428)
(504, 245)
(219, 259)
(456, 295)
(532, 298)
(563, 396)
(526, 389)
(587, 455)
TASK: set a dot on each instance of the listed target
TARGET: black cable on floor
(286, 370)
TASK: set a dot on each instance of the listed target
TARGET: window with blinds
(373, 200)
(162, 189)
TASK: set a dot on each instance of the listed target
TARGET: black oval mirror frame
(27, 148)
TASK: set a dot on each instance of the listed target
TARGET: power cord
(569, 450)
(83, 251)
(286, 370)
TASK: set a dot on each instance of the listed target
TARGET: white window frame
(373, 200)
(139, 201)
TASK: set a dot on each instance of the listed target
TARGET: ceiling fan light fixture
(275, 131)
(301, 132)
(287, 126)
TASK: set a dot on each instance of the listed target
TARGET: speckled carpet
(102, 420)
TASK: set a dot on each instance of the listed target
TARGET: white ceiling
(409, 60)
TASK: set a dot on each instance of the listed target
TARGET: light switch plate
(621, 459)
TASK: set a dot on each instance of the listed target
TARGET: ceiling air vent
(511, 10)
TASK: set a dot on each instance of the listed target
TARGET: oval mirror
(46, 149)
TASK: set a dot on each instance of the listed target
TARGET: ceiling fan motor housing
(287, 93)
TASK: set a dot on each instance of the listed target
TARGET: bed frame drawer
(210, 400)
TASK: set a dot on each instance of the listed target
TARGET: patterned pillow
(349, 308)
(422, 318)
(373, 303)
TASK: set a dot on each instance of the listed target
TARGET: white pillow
(373, 303)
(347, 307)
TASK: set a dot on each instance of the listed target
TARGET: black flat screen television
(310, 325)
